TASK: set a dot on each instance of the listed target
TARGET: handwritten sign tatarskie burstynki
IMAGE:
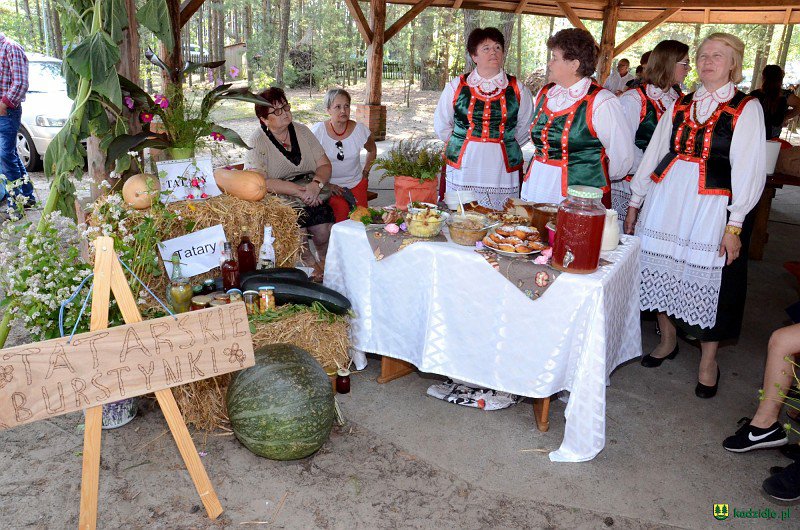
(54, 377)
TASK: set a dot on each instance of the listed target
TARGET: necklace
(337, 133)
(285, 142)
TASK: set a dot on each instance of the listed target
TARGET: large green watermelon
(281, 408)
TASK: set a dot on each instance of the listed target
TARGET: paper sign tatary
(177, 175)
(54, 377)
(199, 251)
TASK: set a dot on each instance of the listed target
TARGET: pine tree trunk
(58, 37)
(248, 35)
(470, 23)
(200, 30)
(786, 41)
(764, 40)
(428, 78)
(283, 43)
(39, 24)
(212, 33)
(266, 15)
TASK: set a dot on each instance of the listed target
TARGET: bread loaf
(519, 208)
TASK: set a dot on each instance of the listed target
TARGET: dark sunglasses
(280, 110)
(340, 154)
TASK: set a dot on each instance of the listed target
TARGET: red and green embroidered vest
(648, 119)
(488, 120)
(706, 143)
(567, 139)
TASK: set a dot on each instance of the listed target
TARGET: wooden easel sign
(54, 377)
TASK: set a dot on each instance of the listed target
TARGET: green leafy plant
(413, 157)
(183, 123)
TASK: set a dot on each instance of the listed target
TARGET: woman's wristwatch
(319, 183)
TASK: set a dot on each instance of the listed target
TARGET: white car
(44, 111)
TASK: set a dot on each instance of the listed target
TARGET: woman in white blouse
(483, 118)
(643, 105)
(343, 139)
(578, 128)
(699, 179)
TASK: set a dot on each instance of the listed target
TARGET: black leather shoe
(649, 361)
(707, 392)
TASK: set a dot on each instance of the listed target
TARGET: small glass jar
(579, 230)
(342, 381)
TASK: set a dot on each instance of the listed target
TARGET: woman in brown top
(284, 151)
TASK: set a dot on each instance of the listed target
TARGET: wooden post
(372, 113)
(610, 19)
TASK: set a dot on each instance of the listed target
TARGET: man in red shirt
(13, 86)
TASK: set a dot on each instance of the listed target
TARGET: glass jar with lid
(579, 230)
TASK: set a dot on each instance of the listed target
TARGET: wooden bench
(762, 210)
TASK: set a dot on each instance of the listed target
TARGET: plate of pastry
(514, 240)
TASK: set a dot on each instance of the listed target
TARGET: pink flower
(392, 228)
(161, 100)
(548, 252)
(217, 136)
(540, 259)
(145, 117)
(128, 102)
(233, 71)
(195, 183)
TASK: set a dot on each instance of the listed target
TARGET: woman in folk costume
(699, 179)
(666, 69)
(483, 118)
(578, 127)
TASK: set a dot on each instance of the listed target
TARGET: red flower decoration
(145, 117)
(190, 196)
(204, 195)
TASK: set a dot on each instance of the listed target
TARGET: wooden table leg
(541, 411)
(760, 236)
(392, 369)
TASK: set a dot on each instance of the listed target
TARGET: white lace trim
(493, 198)
(490, 86)
(706, 102)
(559, 97)
(683, 290)
(665, 98)
(620, 197)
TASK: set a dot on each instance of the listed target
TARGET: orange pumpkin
(141, 190)
(246, 185)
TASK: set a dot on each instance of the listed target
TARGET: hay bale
(325, 337)
(233, 214)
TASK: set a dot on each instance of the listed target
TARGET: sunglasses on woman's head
(340, 147)
(280, 110)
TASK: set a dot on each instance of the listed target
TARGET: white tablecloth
(441, 307)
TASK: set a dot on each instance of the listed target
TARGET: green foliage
(413, 157)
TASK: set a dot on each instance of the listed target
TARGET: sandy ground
(407, 461)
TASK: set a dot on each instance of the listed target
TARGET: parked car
(44, 111)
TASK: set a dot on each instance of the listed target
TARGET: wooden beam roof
(691, 11)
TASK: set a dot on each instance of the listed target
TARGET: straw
(460, 202)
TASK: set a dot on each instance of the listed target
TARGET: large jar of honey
(579, 230)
